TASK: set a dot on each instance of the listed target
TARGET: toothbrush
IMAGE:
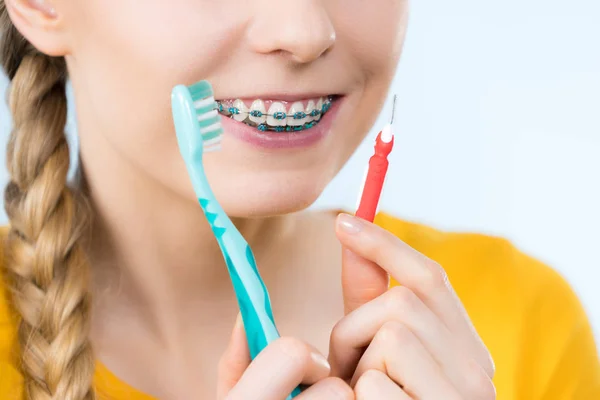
(378, 166)
(199, 130)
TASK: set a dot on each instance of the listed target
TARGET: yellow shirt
(527, 315)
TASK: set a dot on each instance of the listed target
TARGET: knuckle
(338, 333)
(434, 277)
(391, 247)
(372, 247)
(383, 245)
(227, 364)
(368, 380)
(479, 384)
(400, 298)
(394, 333)
(296, 350)
(389, 240)
(338, 389)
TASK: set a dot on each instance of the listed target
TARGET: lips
(279, 138)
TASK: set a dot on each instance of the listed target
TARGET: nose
(300, 29)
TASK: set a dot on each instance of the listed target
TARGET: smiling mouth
(277, 116)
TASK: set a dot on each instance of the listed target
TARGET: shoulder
(4, 303)
(476, 261)
(6, 316)
(10, 382)
(526, 313)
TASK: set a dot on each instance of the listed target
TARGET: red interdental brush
(378, 166)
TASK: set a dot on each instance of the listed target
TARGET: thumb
(362, 279)
(234, 361)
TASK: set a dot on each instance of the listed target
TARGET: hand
(413, 341)
(276, 371)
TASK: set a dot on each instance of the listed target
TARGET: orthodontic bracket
(278, 115)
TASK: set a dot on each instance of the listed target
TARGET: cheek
(141, 52)
(128, 58)
(372, 37)
(372, 34)
(129, 55)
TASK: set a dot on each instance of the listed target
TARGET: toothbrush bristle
(201, 90)
(212, 148)
(209, 119)
(208, 115)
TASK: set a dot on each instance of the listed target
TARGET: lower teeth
(287, 128)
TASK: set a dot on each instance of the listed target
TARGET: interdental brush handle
(378, 166)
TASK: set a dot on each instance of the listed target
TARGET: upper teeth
(298, 113)
(309, 110)
(277, 114)
(320, 108)
(243, 110)
(258, 112)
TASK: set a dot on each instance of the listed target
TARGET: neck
(153, 255)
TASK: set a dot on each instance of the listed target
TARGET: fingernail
(320, 360)
(349, 224)
(238, 322)
(235, 332)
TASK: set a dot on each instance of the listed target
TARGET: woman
(135, 303)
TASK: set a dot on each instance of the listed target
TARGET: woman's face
(128, 54)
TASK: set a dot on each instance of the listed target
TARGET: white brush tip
(386, 134)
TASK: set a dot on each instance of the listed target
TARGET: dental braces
(231, 111)
(287, 128)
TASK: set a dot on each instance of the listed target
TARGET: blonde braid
(47, 269)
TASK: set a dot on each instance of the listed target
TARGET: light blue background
(498, 129)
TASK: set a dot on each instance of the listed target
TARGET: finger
(420, 274)
(278, 369)
(398, 353)
(388, 357)
(328, 389)
(354, 332)
(375, 385)
(234, 361)
(362, 280)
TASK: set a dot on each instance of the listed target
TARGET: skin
(162, 295)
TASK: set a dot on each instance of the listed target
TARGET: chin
(269, 200)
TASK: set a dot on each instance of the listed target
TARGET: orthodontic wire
(313, 113)
(279, 115)
(264, 127)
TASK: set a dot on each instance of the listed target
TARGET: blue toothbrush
(199, 130)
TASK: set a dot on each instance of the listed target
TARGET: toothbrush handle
(251, 292)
